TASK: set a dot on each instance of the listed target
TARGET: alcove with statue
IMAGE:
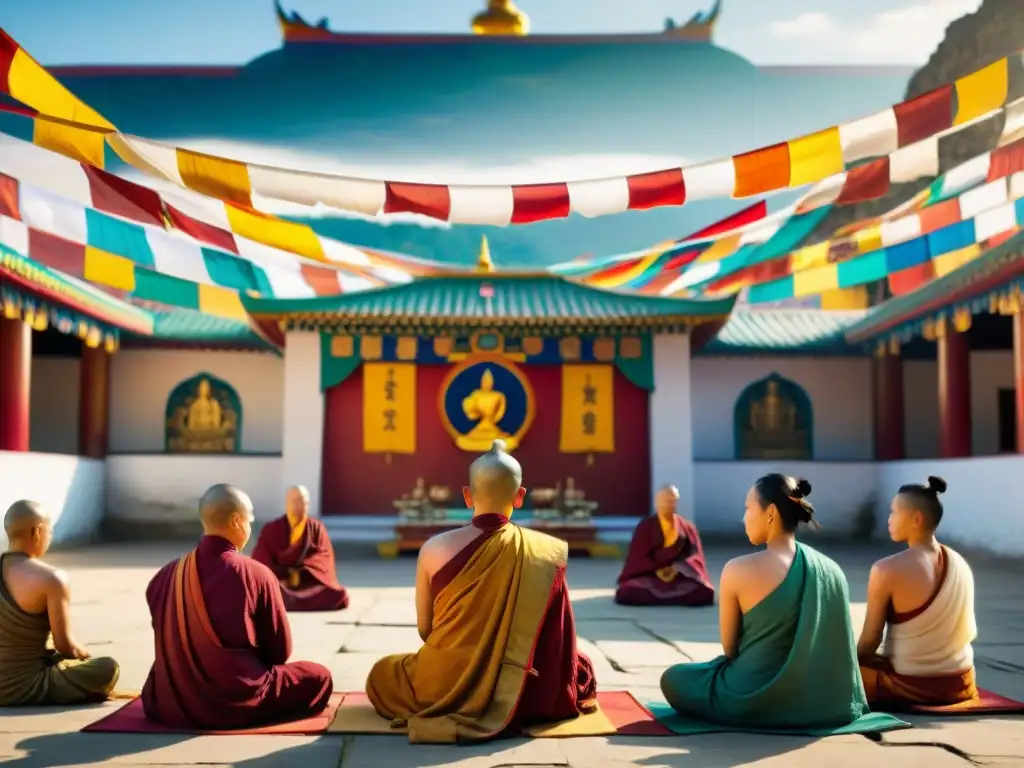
(203, 415)
(773, 419)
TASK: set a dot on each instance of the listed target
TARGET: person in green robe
(34, 603)
(790, 659)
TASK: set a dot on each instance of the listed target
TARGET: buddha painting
(486, 406)
(773, 421)
(202, 417)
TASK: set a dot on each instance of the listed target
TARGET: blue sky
(234, 31)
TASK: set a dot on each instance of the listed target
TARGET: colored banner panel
(588, 409)
(389, 408)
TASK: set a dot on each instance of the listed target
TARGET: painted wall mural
(774, 420)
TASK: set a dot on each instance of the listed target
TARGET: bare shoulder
(739, 568)
(46, 576)
(887, 566)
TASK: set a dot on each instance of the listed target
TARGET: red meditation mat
(617, 713)
(987, 703)
(131, 719)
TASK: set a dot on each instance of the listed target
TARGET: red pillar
(888, 384)
(954, 363)
(15, 382)
(94, 403)
(1018, 374)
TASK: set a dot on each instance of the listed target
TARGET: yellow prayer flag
(947, 262)
(85, 145)
(389, 408)
(108, 269)
(719, 249)
(215, 176)
(588, 409)
(222, 302)
(31, 84)
(815, 157)
(270, 230)
(812, 281)
(981, 92)
(846, 298)
(869, 239)
(810, 256)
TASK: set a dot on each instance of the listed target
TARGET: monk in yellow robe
(34, 603)
(493, 610)
(923, 600)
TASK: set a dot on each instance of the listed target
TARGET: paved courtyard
(630, 648)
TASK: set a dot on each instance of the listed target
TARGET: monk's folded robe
(502, 651)
(665, 565)
(32, 674)
(797, 661)
(222, 646)
(927, 657)
(305, 549)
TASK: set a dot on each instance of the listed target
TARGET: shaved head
(495, 478)
(220, 503)
(666, 499)
(296, 501)
(22, 516)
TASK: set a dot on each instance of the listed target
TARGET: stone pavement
(630, 648)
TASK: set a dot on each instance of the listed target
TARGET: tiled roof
(806, 331)
(905, 314)
(190, 328)
(498, 299)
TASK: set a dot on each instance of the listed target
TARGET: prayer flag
(389, 408)
(588, 409)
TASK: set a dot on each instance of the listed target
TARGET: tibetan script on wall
(389, 408)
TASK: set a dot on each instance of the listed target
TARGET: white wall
(839, 490)
(990, 372)
(984, 504)
(142, 380)
(671, 418)
(53, 406)
(839, 390)
(167, 488)
(301, 405)
(71, 489)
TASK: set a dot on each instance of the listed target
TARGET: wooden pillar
(888, 385)
(94, 403)
(954, 364)
(1018, 373)
(15, 383)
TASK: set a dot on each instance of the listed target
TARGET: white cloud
(904, 35)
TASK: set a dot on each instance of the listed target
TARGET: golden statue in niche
(203, 416)
(501, 17)
(775, 425)
(486, 406)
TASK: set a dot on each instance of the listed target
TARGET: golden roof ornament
(483, 261)
(501, 18)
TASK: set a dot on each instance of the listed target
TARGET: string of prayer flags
(588, 409)
(389, 408)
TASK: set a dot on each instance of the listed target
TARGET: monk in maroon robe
(665, 564)
(222, 635)
(298, 550)
(493, 611)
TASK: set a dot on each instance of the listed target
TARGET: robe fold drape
(309, 553)
(502, 650)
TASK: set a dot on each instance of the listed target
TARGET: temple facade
(377, 398)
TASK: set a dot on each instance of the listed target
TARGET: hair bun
(803, 488)
(936, 485)
(806, 514)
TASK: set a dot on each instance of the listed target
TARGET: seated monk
(492, 607)
(222, 635)
(299, 552)
(665, 563)
(784, 614)
(925, 596)
(34, 602)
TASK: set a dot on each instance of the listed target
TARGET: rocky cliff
(996, 29)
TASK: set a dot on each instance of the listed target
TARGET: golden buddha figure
(204, 413)
(486, 406)
(501, 18)
(773, 430)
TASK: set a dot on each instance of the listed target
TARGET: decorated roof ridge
(606, 304)
(1000, 264)
(187, 327)
(55, 286)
